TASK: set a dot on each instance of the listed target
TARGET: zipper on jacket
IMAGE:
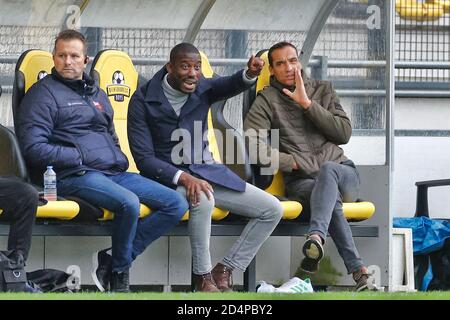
(89, 100)
(79, 151)
(308, 136)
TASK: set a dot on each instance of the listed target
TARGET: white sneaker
(265, 288)
(296, 285)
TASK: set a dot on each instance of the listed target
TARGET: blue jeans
(122, 194)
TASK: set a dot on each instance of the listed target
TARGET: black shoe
(120, 281)
(101, 269)
(313, 251)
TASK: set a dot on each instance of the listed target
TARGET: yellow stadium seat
(32, 66)
(292, 209)
(115, 73)
(419, 11)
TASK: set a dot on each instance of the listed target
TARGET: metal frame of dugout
(379, 228)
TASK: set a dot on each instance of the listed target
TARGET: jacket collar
(154, 92)
(86, 86)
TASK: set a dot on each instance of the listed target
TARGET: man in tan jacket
(312, 124)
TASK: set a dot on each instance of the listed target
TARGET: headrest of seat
(34, 65)
(262, 81)
(208, 72)
(206, 66)
(115, 73)
(264, 77)
(12, 163)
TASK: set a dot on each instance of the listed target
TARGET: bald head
(182, 49)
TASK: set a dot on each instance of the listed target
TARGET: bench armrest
(422, 195)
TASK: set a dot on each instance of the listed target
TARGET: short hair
(180, 48)
(70, 35)
(279, 45)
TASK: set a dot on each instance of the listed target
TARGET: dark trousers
(19, 202)
(334, 184)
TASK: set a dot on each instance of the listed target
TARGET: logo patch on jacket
(41, 75)
(98, 106)
(118, 89)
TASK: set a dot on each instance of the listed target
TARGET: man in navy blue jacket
(175, 102)
(66, 120)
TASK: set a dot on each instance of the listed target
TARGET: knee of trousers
(177, 205)
(328, 167)
(205, 206)
(278, 211)
(273, 210)
(27, 195)
(130, 206)
(328, 170)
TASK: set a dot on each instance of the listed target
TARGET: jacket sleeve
(333, 122)
(260, 117)
(141, 144)
(36, 120)
(227, 87)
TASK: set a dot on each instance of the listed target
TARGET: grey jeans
(334, 184)
(263, 210)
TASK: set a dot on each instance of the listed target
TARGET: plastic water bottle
(50, 184)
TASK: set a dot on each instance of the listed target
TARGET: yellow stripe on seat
(64, 210)
(217, 214)
(358, 210)
(291, 209)
(109, 215)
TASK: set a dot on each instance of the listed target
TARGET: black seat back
(12, 163)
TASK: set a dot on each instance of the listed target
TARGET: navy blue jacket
(68, 124)
(152, 120)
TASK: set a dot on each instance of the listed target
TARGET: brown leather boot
(204, 283)
(223, 277)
